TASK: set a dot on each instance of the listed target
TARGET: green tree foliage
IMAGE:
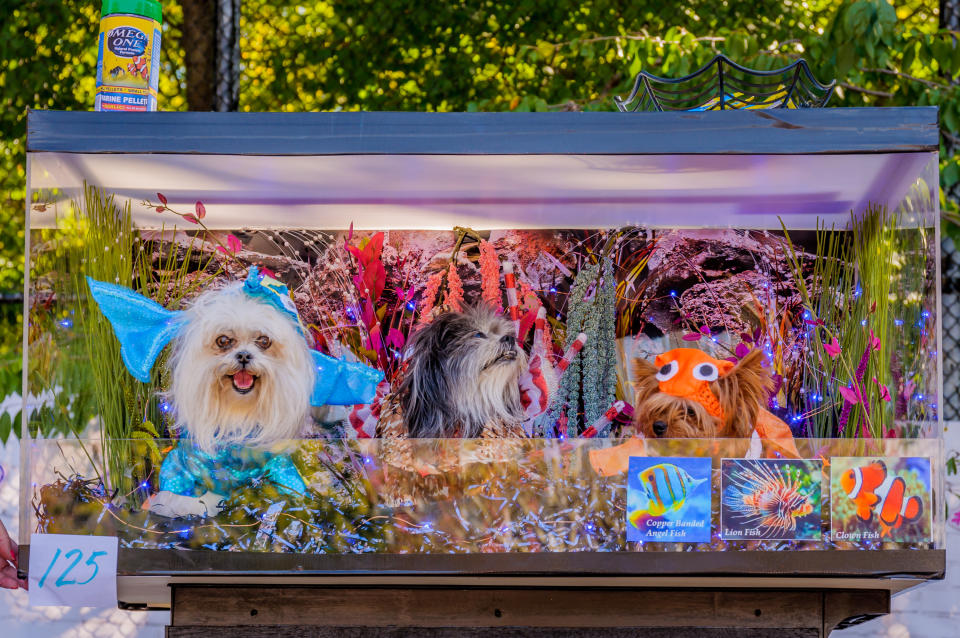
(490, 55)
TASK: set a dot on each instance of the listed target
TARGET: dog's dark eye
(263, 342)
(223, 342)
(691, 414)
(480, 335)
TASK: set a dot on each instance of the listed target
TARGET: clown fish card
(770, 499)
(880, 499)
(668, 500)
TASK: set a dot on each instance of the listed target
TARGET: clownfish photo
(873, 489)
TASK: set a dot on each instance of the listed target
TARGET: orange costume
(687, 373)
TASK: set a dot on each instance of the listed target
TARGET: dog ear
(424, 390)
(743, 392)
(644, 380)
(642, 368)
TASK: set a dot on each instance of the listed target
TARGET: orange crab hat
(688, 372)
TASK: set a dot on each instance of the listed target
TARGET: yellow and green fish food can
(128, 64)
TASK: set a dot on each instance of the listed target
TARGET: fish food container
(640, 261)
(128, 63)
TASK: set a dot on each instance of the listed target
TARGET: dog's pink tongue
(243, 379)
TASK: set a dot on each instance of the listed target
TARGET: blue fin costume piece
(189, 471)
(143, 327)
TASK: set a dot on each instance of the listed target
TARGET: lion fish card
(880, 499)
(668, 500)
(770, 499)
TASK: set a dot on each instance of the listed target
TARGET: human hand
(8, 561)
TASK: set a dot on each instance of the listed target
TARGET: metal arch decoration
(723, 84)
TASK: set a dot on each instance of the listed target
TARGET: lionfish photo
(766, 498)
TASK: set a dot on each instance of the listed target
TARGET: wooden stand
(212, 611)
(609, 594)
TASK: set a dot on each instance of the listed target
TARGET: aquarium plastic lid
(438, 192)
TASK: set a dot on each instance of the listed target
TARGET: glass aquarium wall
(452, 354)
(472, 496)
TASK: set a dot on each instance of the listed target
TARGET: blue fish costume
(143, 327)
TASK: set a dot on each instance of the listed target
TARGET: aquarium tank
(443, 334)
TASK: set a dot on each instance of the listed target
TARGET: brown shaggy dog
(740, 389)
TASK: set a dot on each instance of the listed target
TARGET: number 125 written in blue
(77, 556)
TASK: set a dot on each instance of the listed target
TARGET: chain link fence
(950, 277)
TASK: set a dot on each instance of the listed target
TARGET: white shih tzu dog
(242, 380)
(240, 373)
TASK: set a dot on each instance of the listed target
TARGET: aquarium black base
(278, 612)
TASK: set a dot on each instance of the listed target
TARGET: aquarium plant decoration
(591, 380)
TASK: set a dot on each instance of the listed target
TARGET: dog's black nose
(508, 339)
(659, 428)
(244, 357)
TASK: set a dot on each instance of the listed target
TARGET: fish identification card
(880, 499)
(668, 499)
(79, 571)
(770, 499)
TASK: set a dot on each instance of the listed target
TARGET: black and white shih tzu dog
(462, 378)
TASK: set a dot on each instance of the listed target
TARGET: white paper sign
(79, 571)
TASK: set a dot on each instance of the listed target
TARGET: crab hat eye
(668, 371)
(706, 372)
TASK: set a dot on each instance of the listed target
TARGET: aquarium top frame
(784, 132)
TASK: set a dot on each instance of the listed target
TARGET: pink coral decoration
(454, 289)
(490, 276)
(430, 297)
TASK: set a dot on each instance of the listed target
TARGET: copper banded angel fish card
(668, 499)
(880, 499)
(770, 499)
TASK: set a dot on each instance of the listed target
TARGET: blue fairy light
(925, 314)
(553, 290)
(411, 306)
(857, 292)
(164, 407)
(367, 460)
(65, 323)
(807, 315)
(919, 397)
(673, 293)
(863, 322)
(898, 322)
